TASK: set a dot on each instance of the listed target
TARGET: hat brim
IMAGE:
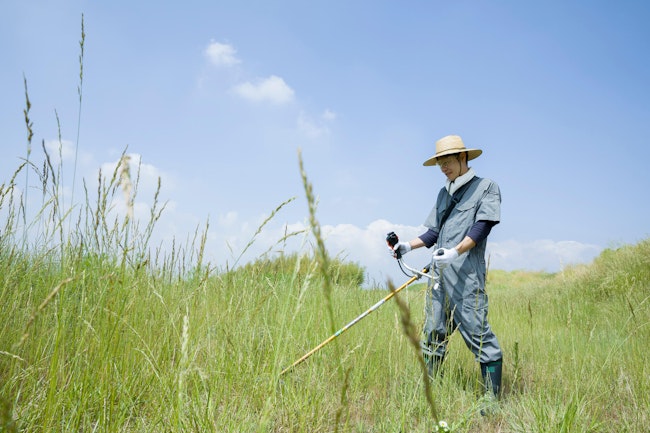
(471, 154)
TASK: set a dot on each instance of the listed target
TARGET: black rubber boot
(491, 373)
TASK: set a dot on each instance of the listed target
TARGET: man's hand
(400, 249)
(444, 256)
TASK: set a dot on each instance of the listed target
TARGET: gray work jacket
(480, 202)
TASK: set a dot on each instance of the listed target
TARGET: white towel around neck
(452, 187)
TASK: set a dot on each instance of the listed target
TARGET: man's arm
(465, 245)
(479, 231)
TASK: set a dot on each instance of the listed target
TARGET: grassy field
(102, 332)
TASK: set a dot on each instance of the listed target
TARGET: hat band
(460, 149)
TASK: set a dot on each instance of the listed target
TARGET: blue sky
(216, 98)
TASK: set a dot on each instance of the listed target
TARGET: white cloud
(142, 180)
(229, 219)
(221, 54)
(310, 128)
(65, 151)
(328, 115)
(315, 129)
(59, 150)
(540, 255)
(272, 89)
(148, 174)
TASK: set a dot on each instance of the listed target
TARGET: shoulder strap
(454, 201)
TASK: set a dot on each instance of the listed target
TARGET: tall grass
(105, 343)
(103, 332)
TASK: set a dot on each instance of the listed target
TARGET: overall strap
(454, 201)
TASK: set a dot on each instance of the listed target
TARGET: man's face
(450, 166)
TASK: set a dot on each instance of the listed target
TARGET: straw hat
(448, 146)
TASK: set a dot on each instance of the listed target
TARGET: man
(465, 211)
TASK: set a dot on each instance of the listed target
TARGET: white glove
(444, 256)
(401, 247)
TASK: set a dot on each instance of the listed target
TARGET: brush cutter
(416, 276)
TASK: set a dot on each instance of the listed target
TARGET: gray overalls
(459, 301)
